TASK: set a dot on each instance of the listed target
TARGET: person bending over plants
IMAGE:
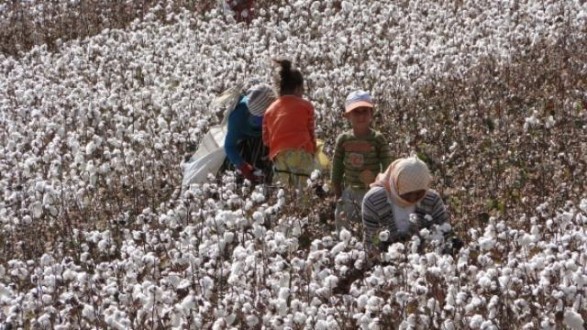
(400, 203)
(243, 144)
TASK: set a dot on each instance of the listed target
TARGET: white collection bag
(210, 154)
(207, 159)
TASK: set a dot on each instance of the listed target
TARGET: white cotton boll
(162, 123)
(299, 318)
(292, 245)
(37, 209)
(362, 301)
(114, 323)
(342, 258)
(258, 217)
(321, 325)
(328, 241)
(48, 199)
(40, 186)
(574, 320)
(49, 281)
(90, 148)
(549, 123)
(258, 197)
(384, 235)
(280, 203)
(281, 305)
(583, 203)
(476, 321)
(448, 325)
(188, 304)
(360, 263)
(104, 169)
(535, 230)
(363, 319)
(228, 237)
(425, 233)
(484, 282)
(88, 312)
(296, 229)
(374, 303)
(444, 228)
(486, 243)
(570, 291)
(570, 265)
(27, 220)
(579, 279)
(488, 325)
(374, 325)
(252, 320)
(47, 299)
(504, 281)
(525, 240)
(347, 6)
(69, 275)
(103, 245)
(315, 175)
(345, 235)
(338, 248)
(331, 281)
(283, 293)
(547, 324)
(47, 260)
(44, 320)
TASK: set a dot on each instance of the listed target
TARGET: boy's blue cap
(357, 99)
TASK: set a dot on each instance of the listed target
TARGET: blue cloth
(241, 125)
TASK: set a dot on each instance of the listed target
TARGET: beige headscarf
(403, 176)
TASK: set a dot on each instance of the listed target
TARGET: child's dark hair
(289, 79)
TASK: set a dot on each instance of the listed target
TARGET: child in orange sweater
(288, 130)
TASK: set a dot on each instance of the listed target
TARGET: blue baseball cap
(358, 99)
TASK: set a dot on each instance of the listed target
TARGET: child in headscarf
(401, 201)
(243, 145)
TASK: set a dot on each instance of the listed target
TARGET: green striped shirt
(357, 161)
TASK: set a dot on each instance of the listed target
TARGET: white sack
(207, 159)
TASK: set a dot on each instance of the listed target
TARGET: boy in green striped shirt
(359, 155)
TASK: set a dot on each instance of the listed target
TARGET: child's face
(360, 117)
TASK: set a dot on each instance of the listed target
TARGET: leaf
(484, 218)
(491, 204)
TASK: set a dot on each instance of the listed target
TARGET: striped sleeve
(376, 213)
(433, 206)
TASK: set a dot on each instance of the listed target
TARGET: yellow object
(293, 168)
(321, 158)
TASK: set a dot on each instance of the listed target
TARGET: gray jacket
(377, 213)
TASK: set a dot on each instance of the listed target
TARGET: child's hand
(250, 173)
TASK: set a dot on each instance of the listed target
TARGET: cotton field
(96, 232)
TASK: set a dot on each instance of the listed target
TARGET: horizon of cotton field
(96, 231)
